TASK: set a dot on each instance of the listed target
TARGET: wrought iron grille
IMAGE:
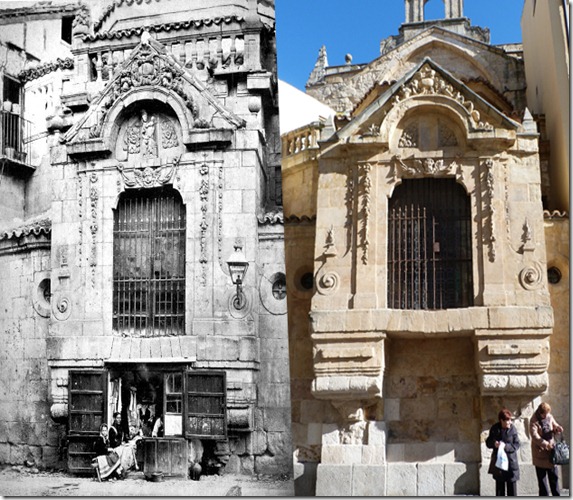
(149, 263)
(429, 246)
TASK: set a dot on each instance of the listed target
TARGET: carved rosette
(428, 82)
(61, 307)
(531, 276)
(328, 283)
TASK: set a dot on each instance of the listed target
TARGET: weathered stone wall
(557, 234)
(27, 433)
(431, 401)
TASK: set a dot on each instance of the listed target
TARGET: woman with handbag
(542, 429)
(503, 439)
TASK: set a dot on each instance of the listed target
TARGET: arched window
(149, 263)
(429, 245)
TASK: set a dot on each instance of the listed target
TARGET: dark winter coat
(511, 440)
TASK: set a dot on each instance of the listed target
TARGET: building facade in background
(141, 257)
(427, 261)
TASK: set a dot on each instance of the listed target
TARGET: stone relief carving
(94, 196)
(203, 225)
(415, 167)
(220, 218)
(489, 182)
(168, 135)
(349, 200)
(80, 216)
(147, 68)
(428, 82)
(353, 433)
(372, 131)
(409, 137)
(61, 307)
(140, 137)
(365, 187)
(149, 176)
(328, 283)
(531, 276)
(329, 246)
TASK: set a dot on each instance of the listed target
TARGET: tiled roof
(275, 216)
(36, 228)
(174, 26)
(295, 219)
(555, 214)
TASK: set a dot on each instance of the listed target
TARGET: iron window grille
(429, 246)
(149, 263)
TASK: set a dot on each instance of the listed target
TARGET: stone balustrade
(301, 139)
(220, 53)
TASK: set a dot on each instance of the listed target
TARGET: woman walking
(543, 428)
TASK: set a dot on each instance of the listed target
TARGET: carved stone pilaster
(490, 187)
(364, 188)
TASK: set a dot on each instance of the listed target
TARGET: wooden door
(86, 412)
(165, 454)
(206, 409)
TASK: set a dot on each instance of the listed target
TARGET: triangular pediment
(151, 74)
(426, 84)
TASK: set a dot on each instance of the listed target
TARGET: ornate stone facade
(384, 390)
(175, 111)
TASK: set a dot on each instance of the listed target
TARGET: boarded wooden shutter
(86, 412)
(166, 455)
(206, 405)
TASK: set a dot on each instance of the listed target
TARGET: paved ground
(22, 481)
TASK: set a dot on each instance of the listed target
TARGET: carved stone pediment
(427, 84)
(150, 74)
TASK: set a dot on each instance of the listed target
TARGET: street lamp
(238, 266)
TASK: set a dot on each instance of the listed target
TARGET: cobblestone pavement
(29, 482)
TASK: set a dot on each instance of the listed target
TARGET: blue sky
(358, 26)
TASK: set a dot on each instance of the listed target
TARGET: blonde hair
(544, 408)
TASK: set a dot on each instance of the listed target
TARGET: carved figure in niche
(148, 141)
(168, 135)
